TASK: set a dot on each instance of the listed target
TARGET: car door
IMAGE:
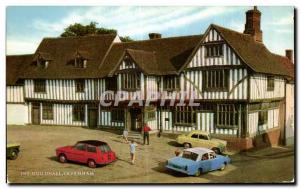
(205, 163)
(79, 153)
(203, 141)
(194, 140)
(215, 163)
(91, 153)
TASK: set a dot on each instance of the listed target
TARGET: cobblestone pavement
(37, 162)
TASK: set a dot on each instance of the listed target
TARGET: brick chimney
(252, 25)
(289, 54)
(154, 35)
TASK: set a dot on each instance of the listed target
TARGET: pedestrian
(125, 135)
(132, 146)
(146, 133)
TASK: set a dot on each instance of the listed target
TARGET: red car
(92, 152)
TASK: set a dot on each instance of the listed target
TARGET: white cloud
(15, 47)
(287, 20)
(133, 20)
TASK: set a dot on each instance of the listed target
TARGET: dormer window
(80, 62)
(42, 63)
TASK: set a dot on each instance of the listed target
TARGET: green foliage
(78, 29)
(126, 39)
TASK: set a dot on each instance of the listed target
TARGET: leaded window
(47, 111)
(227, 115)
(214, 50)
(131, 81)
(270, 83)
(117, 115)
(171, 83)
(39, 85)
(215, 80)
(78, 112)
(80, 85)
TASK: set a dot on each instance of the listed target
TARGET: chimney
(252, 25)
(289, 54)
(154, 35)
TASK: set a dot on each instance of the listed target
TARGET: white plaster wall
(17, 114)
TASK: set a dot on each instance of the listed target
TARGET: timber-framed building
(239, 84)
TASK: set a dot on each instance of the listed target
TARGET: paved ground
(37, 162)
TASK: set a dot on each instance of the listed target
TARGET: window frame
(79, 85)
(78, 112)
(263, 117)
(117, 115)
(270, 83)
(227, 116)
(214, 50)
(171, 83)
(111, 83)
(80, 62)
(39, 85)
(185, 115)
(216, 80)
(47, 109)
(130, 81)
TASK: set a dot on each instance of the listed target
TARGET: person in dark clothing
(146, 133)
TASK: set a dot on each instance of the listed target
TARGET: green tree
(78, 29)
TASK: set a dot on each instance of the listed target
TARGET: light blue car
(194, 161)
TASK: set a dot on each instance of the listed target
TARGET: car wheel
(216, 150)
(222, 168)
(187, 145)
(13, 154)
(62, 158)
(91, 163)
(198, 173)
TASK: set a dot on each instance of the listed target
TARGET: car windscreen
(190, 155)
(104, 148)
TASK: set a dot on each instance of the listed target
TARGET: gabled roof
(15, 65)
(60, 53)
(170, 54)
(255, 54)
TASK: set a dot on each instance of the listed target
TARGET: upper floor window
(227, 115)
(270, 83)
(47, 111)
(215, 80)
(80, 85)
(131, 81)
(214, 50)
(111, 83)
(39, 85)
(42, 63)
(78, 112)
(171, 83)
(80, 62)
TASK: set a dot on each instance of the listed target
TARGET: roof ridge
(164, 38)
(85, 36)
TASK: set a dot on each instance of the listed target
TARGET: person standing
(146, 130)
(132, 146)
(125, 135)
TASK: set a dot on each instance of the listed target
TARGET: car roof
(92, 142)
(199, 132)
(199, 150)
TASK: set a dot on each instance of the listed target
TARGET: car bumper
(178, 170)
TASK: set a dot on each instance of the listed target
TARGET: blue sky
(26, 26)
